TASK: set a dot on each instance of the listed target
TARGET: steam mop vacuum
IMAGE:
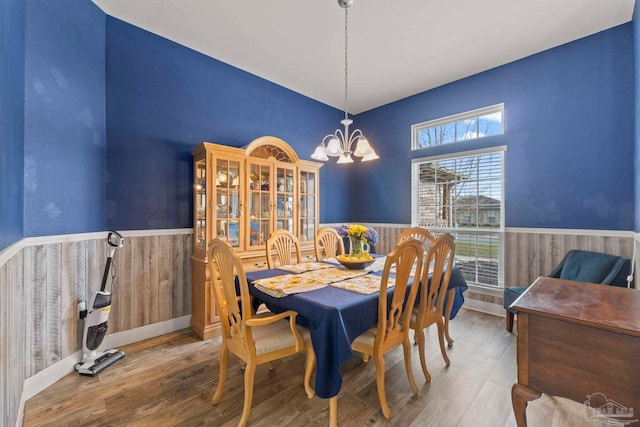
(95, 321)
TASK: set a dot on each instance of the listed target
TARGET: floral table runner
(287, 284)
(315, 275)
(305, 266)
(367, 285)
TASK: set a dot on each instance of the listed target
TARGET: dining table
(335, 317)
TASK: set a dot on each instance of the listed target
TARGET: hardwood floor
(169, 381)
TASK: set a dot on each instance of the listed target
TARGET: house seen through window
(463, 194)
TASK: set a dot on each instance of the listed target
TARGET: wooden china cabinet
(242, 195)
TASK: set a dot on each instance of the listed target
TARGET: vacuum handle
(115, 241)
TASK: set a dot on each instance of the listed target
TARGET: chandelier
(339, 144)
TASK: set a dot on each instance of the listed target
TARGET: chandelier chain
(340, 143)
(346, 60)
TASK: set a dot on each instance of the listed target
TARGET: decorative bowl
(355, 265)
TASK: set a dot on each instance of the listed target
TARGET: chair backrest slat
(394, 316)
(328, 244)
(419, 233)
(284, 243)
(439, 260)
(224, 267)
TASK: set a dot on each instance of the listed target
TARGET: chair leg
(382, 396)
(308, 369)
(441, 330)
(446, 332)
(249, 373)
(406, 346)
(450, 297)
(419, 337)
(224, 356)
(509, 321)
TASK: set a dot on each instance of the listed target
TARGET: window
(463, 195)
(460, 127)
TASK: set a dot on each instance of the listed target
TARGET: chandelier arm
(328, 137)
(355, 136)
(341, 139)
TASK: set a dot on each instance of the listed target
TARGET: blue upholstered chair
(582, 266)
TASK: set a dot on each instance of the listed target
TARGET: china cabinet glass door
(200, 205)
(228, 208)
(307, 195)
(284, 187)
(259, 203)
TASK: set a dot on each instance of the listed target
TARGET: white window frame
(500, 232)
(474, 114)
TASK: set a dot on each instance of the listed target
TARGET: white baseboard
(484, 307)
(54, 373)
(145, 332)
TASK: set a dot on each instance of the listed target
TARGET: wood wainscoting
(43, 279)
(530, 253)
(13, 338)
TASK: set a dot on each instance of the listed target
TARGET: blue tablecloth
(335, 317)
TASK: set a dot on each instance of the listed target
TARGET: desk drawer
(572, 360)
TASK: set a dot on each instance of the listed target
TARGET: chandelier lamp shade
(341, 143)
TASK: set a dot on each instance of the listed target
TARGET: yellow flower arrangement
(356, 230)
(360, 237)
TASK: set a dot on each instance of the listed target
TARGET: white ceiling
(397, 48)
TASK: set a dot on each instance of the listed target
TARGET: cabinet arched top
(269, 146)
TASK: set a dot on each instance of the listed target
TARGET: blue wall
(11, 120)
(636, 68)
(571, 129)
(569, 132)
(163, 99)
(64, 100)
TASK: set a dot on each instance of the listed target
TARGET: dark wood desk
(579, 341)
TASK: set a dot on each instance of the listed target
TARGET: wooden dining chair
(427, 238)
(328, 244)
(284, 243)
(430, 307)
(255, 339)
(393, 317)
(419, 233)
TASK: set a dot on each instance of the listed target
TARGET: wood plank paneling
(145, 263)
(73, 290)
(41, 285)
(53, 304)
(122, 287)
(12, 338)
(387, 238)
(167, 259)
(38, 304)
(18, 328)
(186, 243)
(151, 283)
(530, 255)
